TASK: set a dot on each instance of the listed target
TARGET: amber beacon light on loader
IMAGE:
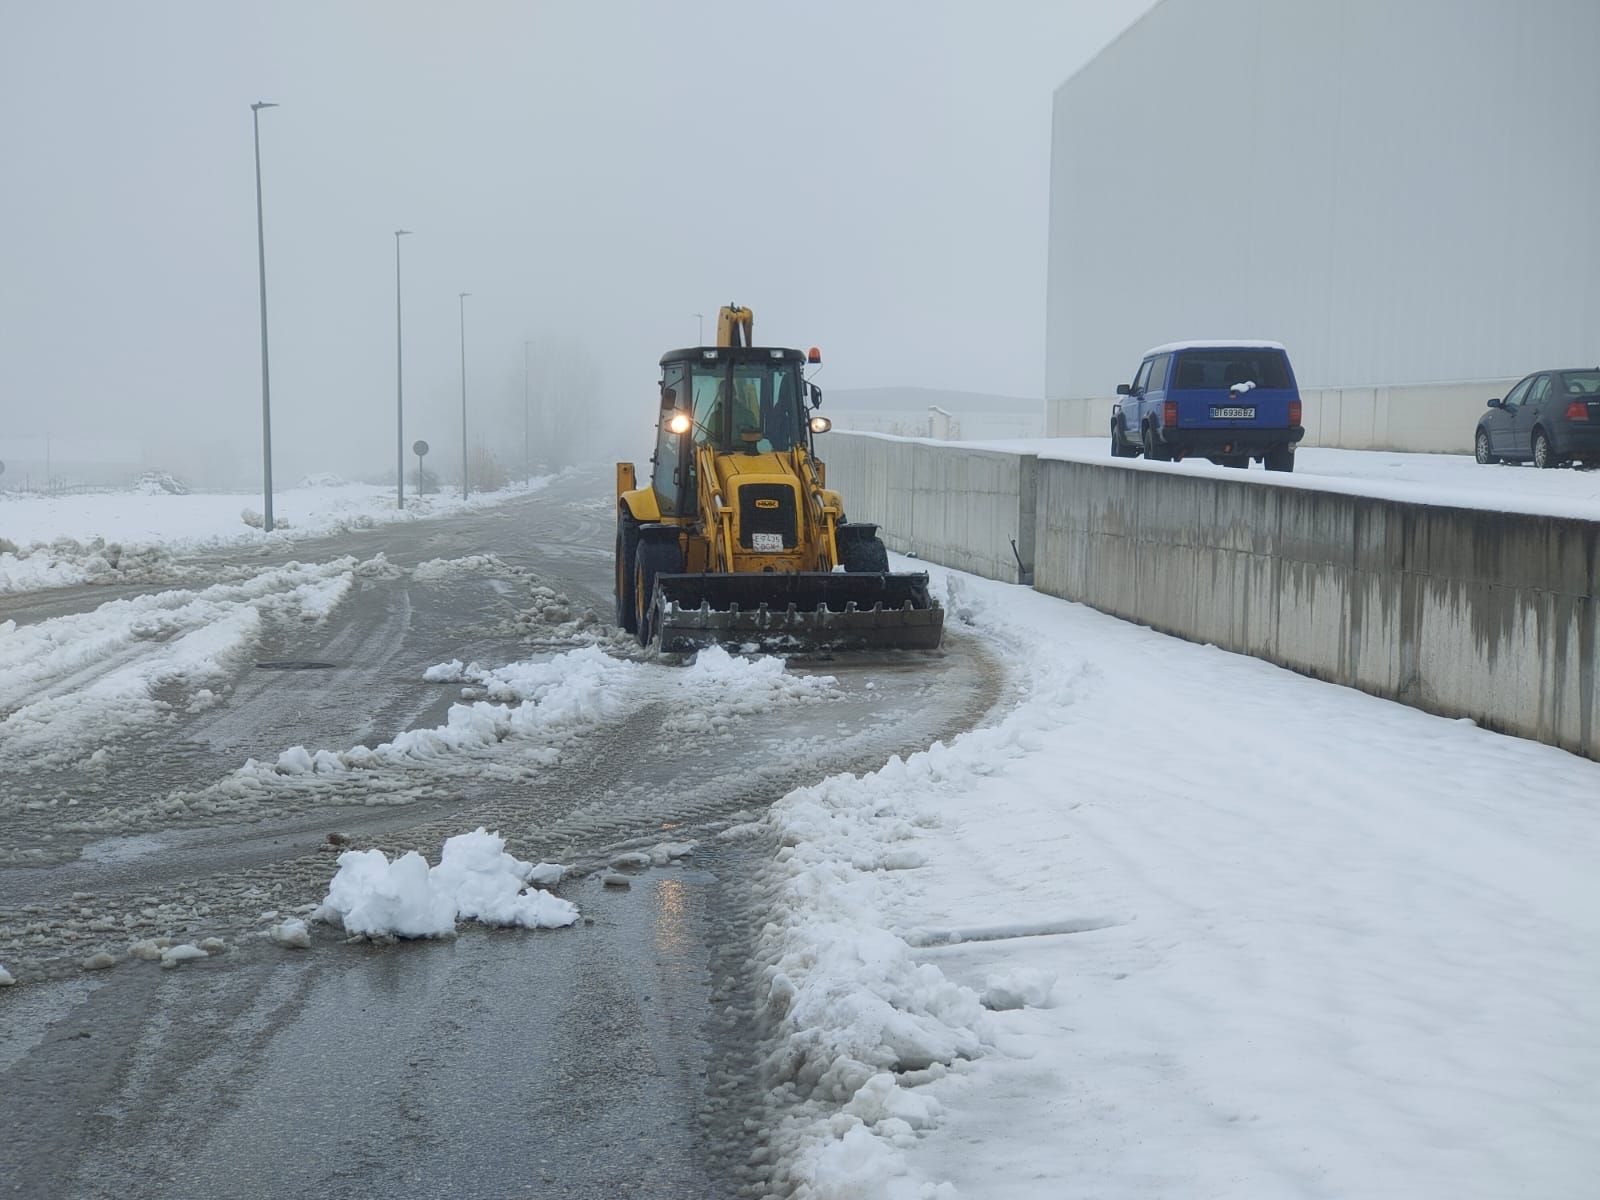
(736, 538)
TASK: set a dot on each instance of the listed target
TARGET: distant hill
(908, 412)
(921, 399)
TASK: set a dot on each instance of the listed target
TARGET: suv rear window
(1225, 368)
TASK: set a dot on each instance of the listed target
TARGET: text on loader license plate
(1233, 412)
(767, 543)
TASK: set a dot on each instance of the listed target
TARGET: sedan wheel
(1543, 456)
(1481, 448)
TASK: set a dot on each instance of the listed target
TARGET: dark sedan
(1551, 419)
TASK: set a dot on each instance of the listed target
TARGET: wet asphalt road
(611, 1058)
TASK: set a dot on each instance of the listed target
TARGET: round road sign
(419, 447)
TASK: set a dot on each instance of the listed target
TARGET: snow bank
(475, 880)
(1324, 973)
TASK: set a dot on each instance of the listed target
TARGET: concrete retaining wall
(1457, 611)
(1429, 418)
(950, 505)
(1462, 612)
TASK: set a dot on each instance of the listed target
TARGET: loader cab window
(672, 478)
(763, 398)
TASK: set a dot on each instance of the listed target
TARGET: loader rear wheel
(865, 555)
(627, 552)
(652, 559)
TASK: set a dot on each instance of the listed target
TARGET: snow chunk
(99, 962)
(6, 977)
(372, 896)
(292, 934)
(1018, 987)
(487, 885)
(475, 880)
(145, 949)
(453, 671)
(179, 954)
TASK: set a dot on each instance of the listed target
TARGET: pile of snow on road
(725, 687)
(536, 704)
(475, 880)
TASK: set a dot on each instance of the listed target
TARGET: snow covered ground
(1449, 479)
(68, 686)
(53, 541)
(1186, 924)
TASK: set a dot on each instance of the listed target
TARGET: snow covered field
(1450, 479)
(53, 541)
(1283, 939)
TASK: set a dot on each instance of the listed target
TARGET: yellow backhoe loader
(735, 538)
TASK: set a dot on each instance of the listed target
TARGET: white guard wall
(1402, 191)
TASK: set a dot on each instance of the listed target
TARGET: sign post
(419, 448)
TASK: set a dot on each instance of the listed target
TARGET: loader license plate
(767, 543)
(1233, 413)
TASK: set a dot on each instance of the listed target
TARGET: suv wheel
(1480, 448)
(1154, 448)
(1119, 444)
(1543, 456)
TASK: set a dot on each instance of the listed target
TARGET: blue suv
(1226, 401)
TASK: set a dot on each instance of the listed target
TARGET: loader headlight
(820, 424)
(679, 422)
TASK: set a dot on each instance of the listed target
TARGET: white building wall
(1402, 191)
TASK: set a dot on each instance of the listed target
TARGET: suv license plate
(767, 543)
(1233, 413)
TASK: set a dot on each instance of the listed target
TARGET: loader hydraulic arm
(717, 513)
(733, 323)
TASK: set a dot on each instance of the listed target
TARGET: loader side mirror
(816, 395)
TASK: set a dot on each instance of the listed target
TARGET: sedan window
(1583, 383)
(1540, 389)
(1515, 395)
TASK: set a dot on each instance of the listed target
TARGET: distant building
(1402, 191)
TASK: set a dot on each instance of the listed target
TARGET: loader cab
(739, 400)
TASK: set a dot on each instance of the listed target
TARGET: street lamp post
(399, 391)
(462, 298)
(701, 317)
(527, 466)
(266, 389)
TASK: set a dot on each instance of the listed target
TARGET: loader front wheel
(627, 553)
(865, 555)
(652, 559)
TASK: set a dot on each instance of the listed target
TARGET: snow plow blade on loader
(799, 611)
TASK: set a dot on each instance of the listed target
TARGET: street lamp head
(260, 104)
(462, 295)
(401, 232)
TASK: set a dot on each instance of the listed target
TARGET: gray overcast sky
(869, 177)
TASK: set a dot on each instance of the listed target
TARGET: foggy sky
(869, 177)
